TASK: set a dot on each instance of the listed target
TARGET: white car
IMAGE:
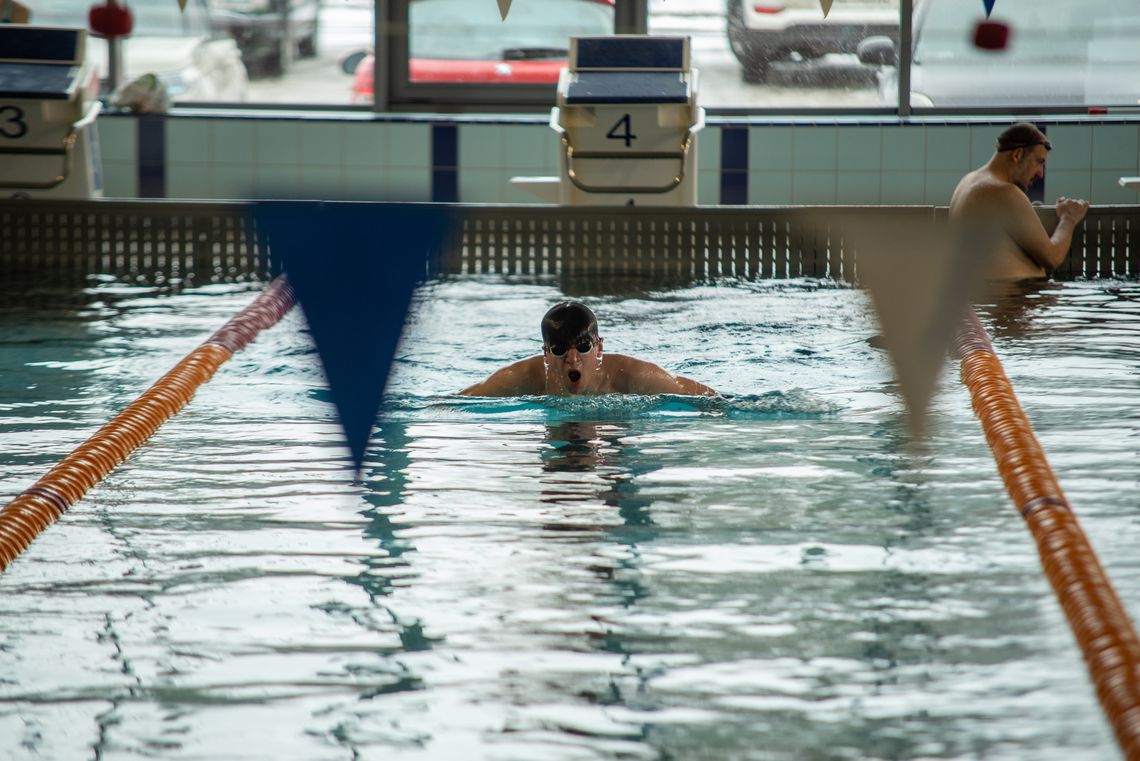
(763, 31)
(1059, 53)
(194, 63)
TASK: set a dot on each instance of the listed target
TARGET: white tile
(1106, 188)
(708, 149)
(1071, 183)
(940, 187)
(857, 188)
(1115, 146)
(814, 149)
(902, 188)
(233, 180)
(277, 142)
(189, 141)
(120, 180)
(321, 182)
(407, 184)
(813, 188)
(232, 141)
(948, 149)
(481, 146)
(408, 145)
(708, 187)
(983, 142)
(768, 148)
(904, 149)
(482, 186)
(860, 149)
(276, 181)
(531, 148)
(118, 139)
(364, 145)
(770, 188)
(1072, 147)
(189, 181)
(322, 144)
(364, 184)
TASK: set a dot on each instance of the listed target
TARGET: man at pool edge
(571, 363)
(996, 193)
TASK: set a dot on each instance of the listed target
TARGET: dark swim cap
(566, 322)
(1022, 135)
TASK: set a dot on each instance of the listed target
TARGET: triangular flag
(826, 5)
(182, 5)
(354, 267)
(505, 7)
(989, 6)
(920, 273)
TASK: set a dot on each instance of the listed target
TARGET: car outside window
(462, 37)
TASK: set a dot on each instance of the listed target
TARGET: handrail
(41, 504)
(1104, 632)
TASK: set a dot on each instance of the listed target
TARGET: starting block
(49, 100)
(627, 118)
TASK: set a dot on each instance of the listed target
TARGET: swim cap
(568, 321)
(1022, 135)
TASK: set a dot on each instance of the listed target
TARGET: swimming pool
(776, 575)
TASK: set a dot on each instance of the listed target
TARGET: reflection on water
(776, 574)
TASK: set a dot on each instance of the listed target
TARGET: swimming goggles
(583, 346)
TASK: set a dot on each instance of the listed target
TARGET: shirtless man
(995, 193)
(572, 363)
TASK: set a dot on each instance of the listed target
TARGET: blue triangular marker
(354, 267)
(989, 6)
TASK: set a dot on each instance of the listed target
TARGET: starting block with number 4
(627, 119)
(48, 105)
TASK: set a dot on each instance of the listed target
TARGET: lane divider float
(41, 504)
(1103, 629)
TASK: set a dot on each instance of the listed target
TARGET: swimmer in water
(996, 193)
(572, 363)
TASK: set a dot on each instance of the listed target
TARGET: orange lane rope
(1102, 627)
(34, 509)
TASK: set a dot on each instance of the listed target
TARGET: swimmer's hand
(1072, 209)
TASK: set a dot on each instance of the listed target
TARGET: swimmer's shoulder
(631, 375)
(522, 378)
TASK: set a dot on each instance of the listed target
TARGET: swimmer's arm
(513, 380)
(1027, 231)
(648, 378)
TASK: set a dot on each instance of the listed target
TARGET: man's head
(1024, 149)
(571, 345)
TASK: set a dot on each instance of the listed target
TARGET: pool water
(775, 574)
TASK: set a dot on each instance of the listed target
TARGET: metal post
(906, 43)
(114, 57)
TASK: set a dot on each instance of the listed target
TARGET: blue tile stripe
(445, 163)
(734, 164)
(1036, 191)
(151, 156)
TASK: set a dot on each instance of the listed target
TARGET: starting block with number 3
(48, 105)
(628, 119)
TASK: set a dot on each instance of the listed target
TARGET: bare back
(982, 196)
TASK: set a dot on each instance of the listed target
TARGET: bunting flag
(826, 5)
(182, 5)
(353, 267)
(920, 273)
(505, 7)
(989, 6)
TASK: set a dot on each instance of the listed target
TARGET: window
(1059, 53)
(780, 54)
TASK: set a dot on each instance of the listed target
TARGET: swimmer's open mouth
(574, 375)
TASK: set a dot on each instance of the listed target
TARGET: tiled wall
(471, 159)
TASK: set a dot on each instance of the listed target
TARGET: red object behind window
(991, 35)
(768, 9)
(110, 20)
